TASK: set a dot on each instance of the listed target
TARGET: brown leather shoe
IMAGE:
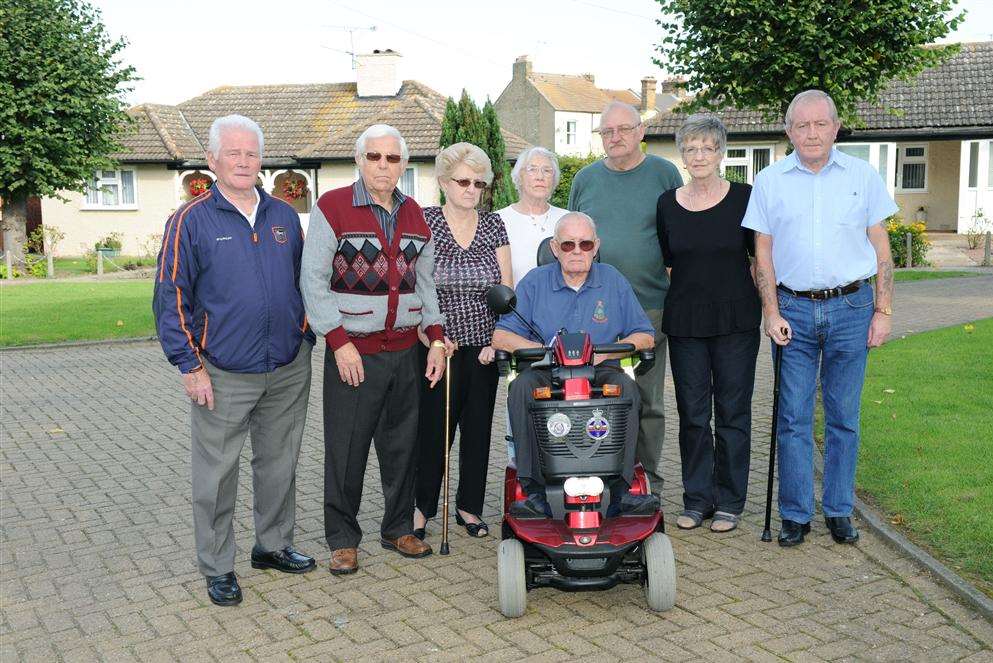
(344, 561)
(408, 545)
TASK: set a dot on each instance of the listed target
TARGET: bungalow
(310, 133)
(934, 150)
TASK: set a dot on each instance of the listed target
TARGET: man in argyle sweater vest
(367, 284)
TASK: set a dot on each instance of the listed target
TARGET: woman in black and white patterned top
(472, 253)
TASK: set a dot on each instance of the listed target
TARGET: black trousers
(714, 375)
(382, 408)
(520, 395)
(473, 393)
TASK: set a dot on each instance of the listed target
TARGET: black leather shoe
(224, 589)
(842, 530)
(792, 533)
(633, 505)
(535, 506)
(286, 560)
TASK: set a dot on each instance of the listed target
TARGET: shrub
(977, 231)
(112, 241)
(569, 167)
(35, 265)
(919, 246)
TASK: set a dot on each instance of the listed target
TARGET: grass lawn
(927, 428)
(53, 312)
(912, 275)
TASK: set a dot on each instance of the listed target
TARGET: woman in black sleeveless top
(711, 317)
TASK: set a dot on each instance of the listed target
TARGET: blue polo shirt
(604, 306)
(818, 221)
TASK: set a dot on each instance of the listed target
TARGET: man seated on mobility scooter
(574, 294)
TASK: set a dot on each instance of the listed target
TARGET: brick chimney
(647, 94)
(376, 74)
(589, 77)
(674, 86)
(522, 68)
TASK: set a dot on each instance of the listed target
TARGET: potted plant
(110, 245)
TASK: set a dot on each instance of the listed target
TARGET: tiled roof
(956, 94)
(313, 121)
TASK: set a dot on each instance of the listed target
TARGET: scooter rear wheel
(660, 572)
(511, 582)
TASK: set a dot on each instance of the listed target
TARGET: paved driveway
(97, 550)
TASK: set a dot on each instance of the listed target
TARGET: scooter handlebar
(612, 348)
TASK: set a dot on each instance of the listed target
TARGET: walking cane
(777, 369)
(448, 408)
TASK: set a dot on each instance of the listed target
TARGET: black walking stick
(777, 369)
(448, 408)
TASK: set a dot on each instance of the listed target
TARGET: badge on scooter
(558, 425)
(597, 427)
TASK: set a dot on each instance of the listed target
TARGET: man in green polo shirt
(621, 192)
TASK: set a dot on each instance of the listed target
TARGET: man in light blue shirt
(819, 236)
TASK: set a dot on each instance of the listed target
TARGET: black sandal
(475, 530)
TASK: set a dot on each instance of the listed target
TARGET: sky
(186, 47)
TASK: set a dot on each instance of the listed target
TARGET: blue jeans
(832, 335)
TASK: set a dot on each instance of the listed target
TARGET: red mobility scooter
(580, 429)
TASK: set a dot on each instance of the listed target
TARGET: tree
(759, 54)
(61, 86)
(464, 123)
(569, 166)
(502, 192)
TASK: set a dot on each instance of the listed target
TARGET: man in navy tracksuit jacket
(230, 316)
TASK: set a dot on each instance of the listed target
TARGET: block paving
(97, 556)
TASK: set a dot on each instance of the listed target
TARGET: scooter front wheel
(510, 574)
(660, 572)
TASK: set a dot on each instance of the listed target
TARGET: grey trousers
(651, 387)
(273, 407)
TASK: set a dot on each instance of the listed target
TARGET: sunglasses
(569, 246)
(376, 156)
(466, 182)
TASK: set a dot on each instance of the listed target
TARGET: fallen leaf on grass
(898, 519)
(120, 323)
(878, 402)
(889, 391)
(893, 416)
(969, 328)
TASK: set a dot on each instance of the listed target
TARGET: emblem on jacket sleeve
(558, 425)
(597, 427)
(279, 234)
(600, 312)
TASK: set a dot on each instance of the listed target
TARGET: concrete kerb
(80, 344)
(951, 580)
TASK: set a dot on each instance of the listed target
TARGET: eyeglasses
(706, 150)
(376, 156)
(569, 246)
(544, 170)
(620, 131)
(464, 183)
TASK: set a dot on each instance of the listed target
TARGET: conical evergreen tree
(502, 192)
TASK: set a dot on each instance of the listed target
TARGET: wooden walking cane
(777, 369)
(448, 409)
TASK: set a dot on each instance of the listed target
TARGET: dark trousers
(472, 395)
(520, 395)
(382, 408)
(714, 376)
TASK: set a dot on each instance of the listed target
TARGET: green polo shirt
(623, 203)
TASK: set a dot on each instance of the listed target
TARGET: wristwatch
(885, 310)
(438, 344)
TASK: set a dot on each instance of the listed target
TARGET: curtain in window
(406, 183)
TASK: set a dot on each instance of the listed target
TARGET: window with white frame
(408, 182)
(911, 168)
(570, 132)
(112, 189)
(742, 164)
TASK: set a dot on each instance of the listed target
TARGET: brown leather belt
(824, 294)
